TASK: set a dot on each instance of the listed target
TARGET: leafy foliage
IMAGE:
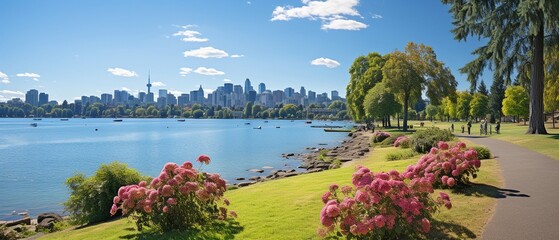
(479, 106)
(483, 152)
(379, 102)
(88, 195)
(463, 105)
(516, 101)
(365, 72)
(424, 140)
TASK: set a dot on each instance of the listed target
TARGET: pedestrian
(462, 128)
(469, 126)
(452, 127)
(485, 126)
(498, 127)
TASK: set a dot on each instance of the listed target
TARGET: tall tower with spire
(149, 83)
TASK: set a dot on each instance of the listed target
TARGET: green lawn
(513, 133)
(289, 208)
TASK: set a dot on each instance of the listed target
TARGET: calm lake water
(35, 161)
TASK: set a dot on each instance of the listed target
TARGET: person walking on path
(485, 126)
(469, 126)
(527, 206)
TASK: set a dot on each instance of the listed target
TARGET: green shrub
(390, 140)
(322, 155)
(90, 197)
(483, 152)
(423, 141)
(400, 154)
(380, 136)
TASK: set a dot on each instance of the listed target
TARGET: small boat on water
(181, 120)
(277, 126)
(266, 121)
(247, 123)
(33, 124)
(117, 120)
(64, 119)
(308, 122)
(259, 127)
(83, 117)
(326, 126)
(37, 119)
(337, 130)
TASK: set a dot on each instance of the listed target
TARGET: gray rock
(254, 178)
(315, 170)
(240, 179)
(46, 223)
(291, 174)
(256, 170)
(244, 184)
(25, 220)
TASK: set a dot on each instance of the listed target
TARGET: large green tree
(515, 31)
(380, 104)
(551, 92)
(365, 72)
(408, 73)
(463, 105)
(516, 101)
(479, 106)
(496, 97)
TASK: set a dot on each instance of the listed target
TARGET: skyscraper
(149, 83)
(106, 98)
(32, 97)
(43, 98)
(228, 88)
(201, 95)
(312, 96)
(303, 91)
(335, 95)
(261, 88)
(248, 87)
(163, 93)
(289, 92)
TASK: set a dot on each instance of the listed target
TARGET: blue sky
(74, 48)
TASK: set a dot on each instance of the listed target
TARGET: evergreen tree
(482, 88)
(496, 97)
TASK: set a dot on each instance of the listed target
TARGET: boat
(308, 122)
(83, 117)
(64, 119)
(326, 126)
(259, 127)
(247, 123)
(336, 130)
(33, 124)
(266, 121)
(181, 120)
(37, 119)
(117, 120)
(277, 126)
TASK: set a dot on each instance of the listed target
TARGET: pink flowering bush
(380, 206)
(380, 136)
(446, 166)
(180, 197)
(402, 141)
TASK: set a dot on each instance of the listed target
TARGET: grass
(289, 208)
(400, 154)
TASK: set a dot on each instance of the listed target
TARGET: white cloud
(376, 16)
(185, 71)
(33, 76)
(158, 84)
(207, 91)
(227, 80)
(126, 89)
(344, 24)
(6, 95)
(333, 13)
(237, 55)
(208, 71)
(330, 63)
(122, 72)
(4, 78)
(190, 36)
(206, 52)
(175, 92)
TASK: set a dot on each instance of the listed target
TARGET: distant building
(163, 93)
(32, 97)
(261, 88)
(248, 87)
(278, 96)
(251, 97)
(228, 88)
(303, 92)
(149, 98)
(85, 100)
(183, 99)
(335, 95)
(94, 99)
(43, 99)
(171, 99)
(289, 92)
(201, 97)
(312, 96)
(142, 96)
(193, 97)
(106, 98)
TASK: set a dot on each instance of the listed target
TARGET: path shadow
(219, 230)
(449, 230)
(480, 189)
(553, 136)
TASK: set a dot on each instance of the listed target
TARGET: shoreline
(354, 147)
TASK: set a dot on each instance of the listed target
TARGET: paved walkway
(530, 206)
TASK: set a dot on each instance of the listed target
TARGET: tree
(482, 88)
(365, 72)
(380, 104)
(408, 73)
(420, 105)
(39, 112)
(551, 92)
(337, 104)
(198, 113)
(448, 107)
(515, 30)
(256, 109)
(516, 102)
(432, 111)
(248, 110)
(289, 110)
(496, 97)
(140, 112)
(479, 106)
(463, 105)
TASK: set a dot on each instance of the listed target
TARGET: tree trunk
(406, 99)
(398, 117)
(537, 122)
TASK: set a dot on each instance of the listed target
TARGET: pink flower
(202, 195)
(334, 187)
(113, 209)
(142, 184)
(155, 182)
(116, 199)
(233, 214)
(450, 182)
(455, 172)
(346, 189)
(167, 191)
(169, 167)
(153, 195)
(326, 197)
(204, 159)
(172, 182)
(443, 145)
(333, 210)
(147, 208)
(166, 209)
(362, 196)
(187, 165)
(425, 225)
(380, 221)
(172, 201)
(444, 179)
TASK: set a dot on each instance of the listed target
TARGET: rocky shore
(355, 147)
(17, 228)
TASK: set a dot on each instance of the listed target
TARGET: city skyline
(66, 47)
